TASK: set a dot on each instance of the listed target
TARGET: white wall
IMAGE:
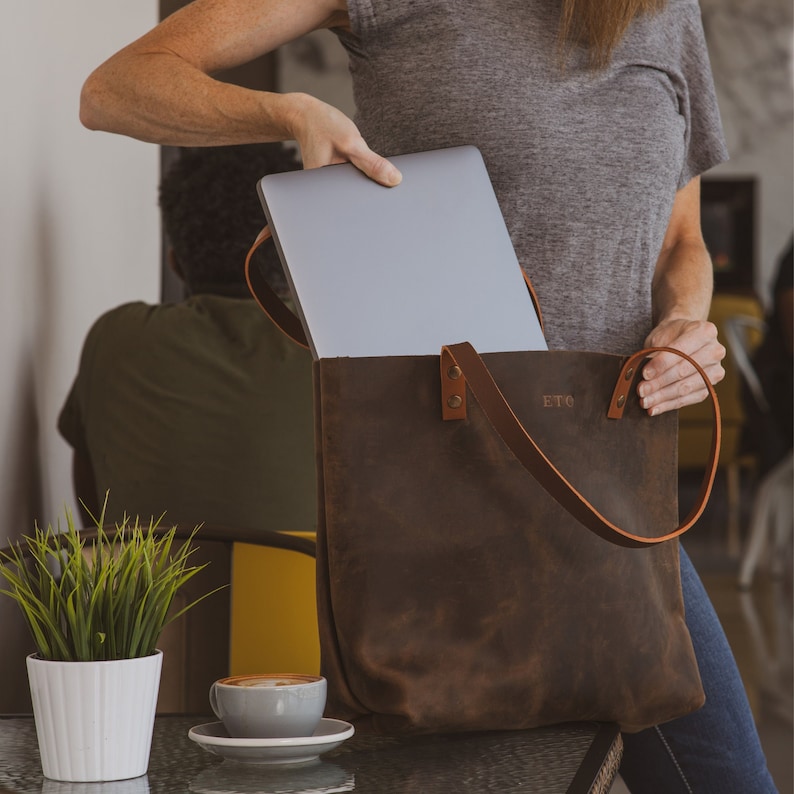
(79, 233)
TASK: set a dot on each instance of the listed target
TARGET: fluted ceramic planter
(94, 720)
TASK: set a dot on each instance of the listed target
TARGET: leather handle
(270, 303)
(462, 365)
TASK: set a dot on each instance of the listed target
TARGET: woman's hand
(326, 136)
(669, 381)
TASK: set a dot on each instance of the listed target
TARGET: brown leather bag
(498, 557)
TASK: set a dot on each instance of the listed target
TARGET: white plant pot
(94, 720)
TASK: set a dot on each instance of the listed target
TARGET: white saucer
(212, 736)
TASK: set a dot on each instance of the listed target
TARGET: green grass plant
(99, 599)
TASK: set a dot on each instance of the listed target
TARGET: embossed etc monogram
(558, 401)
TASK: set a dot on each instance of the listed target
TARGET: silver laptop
(378, 271)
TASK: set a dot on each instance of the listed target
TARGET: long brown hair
(600, 24)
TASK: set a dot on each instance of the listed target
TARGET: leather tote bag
(497, 540)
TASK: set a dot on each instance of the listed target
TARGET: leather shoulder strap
(535, 301)
(269, 302)
(462, 365)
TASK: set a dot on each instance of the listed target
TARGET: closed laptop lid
(378, 271)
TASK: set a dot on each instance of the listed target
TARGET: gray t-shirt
(585, 164)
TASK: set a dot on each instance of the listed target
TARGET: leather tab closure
(453, 388)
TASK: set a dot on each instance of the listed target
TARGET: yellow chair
(273, 610)
(695, 420)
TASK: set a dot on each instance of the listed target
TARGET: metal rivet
(629, 373)
(455, 401)
(453, 373)
(621, 400)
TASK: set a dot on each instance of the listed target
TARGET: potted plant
(96, 608)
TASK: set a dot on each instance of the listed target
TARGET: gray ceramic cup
(269, 706)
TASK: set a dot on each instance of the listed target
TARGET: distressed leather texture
(454, 593)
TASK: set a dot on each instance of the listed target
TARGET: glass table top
(565, 759)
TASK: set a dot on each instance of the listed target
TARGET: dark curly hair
(211, 213)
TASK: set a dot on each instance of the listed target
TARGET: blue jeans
(716, 749)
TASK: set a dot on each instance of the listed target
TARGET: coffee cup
(268, 706)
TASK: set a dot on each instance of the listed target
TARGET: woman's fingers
(670, 382)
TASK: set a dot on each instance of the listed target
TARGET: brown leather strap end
(623, 386)
(453, 388)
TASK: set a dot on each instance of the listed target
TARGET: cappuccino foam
(271, 682)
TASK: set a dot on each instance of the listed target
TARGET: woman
(595, 119)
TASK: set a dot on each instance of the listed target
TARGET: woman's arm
(682, 288)
(160, 89)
